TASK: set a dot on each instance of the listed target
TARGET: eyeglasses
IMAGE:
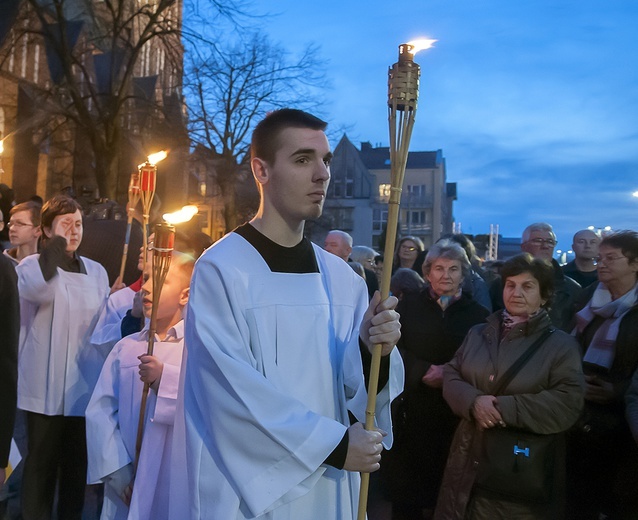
(607, 259)
(18, 225)
(541, 241)
(408, 248)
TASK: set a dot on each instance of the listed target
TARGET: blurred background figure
(583, 267)
(365, 256)
(473, 284)
(408, 253)
(338, 243)
(405, 281)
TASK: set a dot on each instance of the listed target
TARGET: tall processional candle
(133, 199)
(403, 94)
(148, 177)
(163, 245)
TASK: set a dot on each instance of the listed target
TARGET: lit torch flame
(182, 215)
(154, 158)
(420, 45)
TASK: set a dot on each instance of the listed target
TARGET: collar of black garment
(298, 259)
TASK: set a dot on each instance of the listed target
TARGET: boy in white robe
(276, 332)
(113, 412)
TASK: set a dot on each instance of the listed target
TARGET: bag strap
(521, 361)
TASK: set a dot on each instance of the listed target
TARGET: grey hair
(447, 249)
(362, 254)
(343, 235)
(537, 226)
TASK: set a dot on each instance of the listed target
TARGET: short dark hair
(265, 139)
(32, 207)
(626, 240)
(540, 269)
(55, 206)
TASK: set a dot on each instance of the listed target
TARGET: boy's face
(21, 229)
(298, 179)
(174, 295)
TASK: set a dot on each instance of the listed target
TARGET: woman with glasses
(601, 451)
(409, 254)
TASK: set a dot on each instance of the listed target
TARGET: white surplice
(273, 367)
(58, 366)
(112, 419)
(108, 330)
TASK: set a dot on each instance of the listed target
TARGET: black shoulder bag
(516, 464)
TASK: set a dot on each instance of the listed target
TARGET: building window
(417, 190)
(417, 218)
(379, 219)
(337, 187)
(349, 188)
(384, 191)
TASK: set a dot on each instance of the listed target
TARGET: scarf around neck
(602, 349)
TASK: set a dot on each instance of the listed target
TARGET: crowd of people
(511, 396)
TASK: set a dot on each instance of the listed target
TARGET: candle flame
(420, 45)
(182, 215)
(154, 158)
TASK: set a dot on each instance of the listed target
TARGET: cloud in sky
(533, 103)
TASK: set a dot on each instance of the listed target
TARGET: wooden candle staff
(133, 199)
(162, 254)
(403, 94)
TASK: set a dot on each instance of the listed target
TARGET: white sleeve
(105, 446)
(31, 283)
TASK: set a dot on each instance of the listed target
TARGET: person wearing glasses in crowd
(409, 254)
(365, 256)
(602, 459)
(539, 241)
(24, 231)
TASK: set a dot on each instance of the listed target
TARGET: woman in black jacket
(433, 325)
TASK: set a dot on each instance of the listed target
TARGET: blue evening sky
(534, 104)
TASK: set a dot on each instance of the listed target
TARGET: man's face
(585, 245)
(21, 229)
(540, 244)
(337, 245)
(298, 179)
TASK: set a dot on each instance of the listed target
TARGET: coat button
(475, 463)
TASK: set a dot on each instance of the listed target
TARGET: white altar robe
(273, 367)
(108, 330)
(58, 366)
(111, 425)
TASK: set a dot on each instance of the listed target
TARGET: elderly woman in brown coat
(545, 397)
